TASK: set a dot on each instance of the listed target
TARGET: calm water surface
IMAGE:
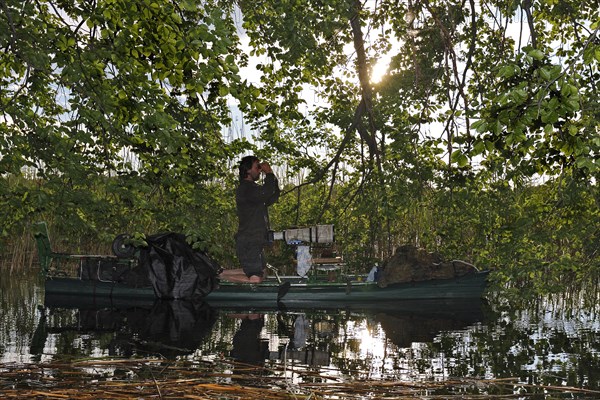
(551, 341)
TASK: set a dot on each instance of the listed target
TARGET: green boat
(300, 293)
(312, 290)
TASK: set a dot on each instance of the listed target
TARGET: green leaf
(260, 106)
(510, 139)
(519, 95)
(573, 105)
(188, 5)
(497, 127)
(506, 71)
(459, 158)
(479, 125)
(536, 54)
(176, 18)
(545, 74)
(567, 90)
(479, 147)
(573, 130)
(586, 162)
(549, 117)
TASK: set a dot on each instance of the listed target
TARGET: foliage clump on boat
(412, 264)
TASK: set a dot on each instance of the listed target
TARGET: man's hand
(265, 168)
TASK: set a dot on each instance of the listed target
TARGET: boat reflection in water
(169, 328)
(327, 337)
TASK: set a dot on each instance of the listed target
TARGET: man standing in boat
(252, 201)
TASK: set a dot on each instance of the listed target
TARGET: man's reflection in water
(248, 347)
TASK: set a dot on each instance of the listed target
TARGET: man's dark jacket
(252, 201)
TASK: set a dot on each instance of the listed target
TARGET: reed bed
(224, 379)
(18, 254)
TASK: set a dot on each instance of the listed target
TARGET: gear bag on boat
(175, 270)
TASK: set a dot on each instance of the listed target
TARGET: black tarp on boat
(175, 269)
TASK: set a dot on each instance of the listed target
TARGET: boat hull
(300, 293)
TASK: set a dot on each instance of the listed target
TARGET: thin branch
(363, 77)
(13, 30)
(329, 194)
(532, 32)
(335, 160)
(19, 90)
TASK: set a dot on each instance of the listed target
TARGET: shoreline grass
(159, 378)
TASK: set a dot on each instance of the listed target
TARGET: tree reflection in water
(383, 341)
(552, 340)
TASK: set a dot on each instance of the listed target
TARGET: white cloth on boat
(372, 277)
(304, 259)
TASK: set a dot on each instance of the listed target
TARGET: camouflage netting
(411, 264)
